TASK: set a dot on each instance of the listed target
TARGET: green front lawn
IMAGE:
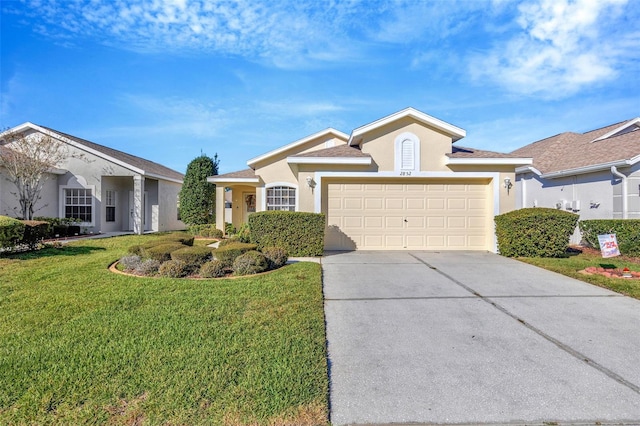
(79, 344)
(575, 262)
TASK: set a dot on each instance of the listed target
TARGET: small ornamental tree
(27, 160)
(197, 196)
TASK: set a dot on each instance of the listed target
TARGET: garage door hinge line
(539, 332)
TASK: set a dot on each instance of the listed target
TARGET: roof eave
(329, 160)
(590, 169)
(490, 161)
(232, 180)
(294, 144)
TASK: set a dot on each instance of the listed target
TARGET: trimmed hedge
(299, 233)
(35, 231)
(205, 230)
(249, 263)
(11, 231)
(174, 269)
(179, 237)
(627, 233)
(535, 232)
(162, 252)
(227, 254)
(195, 256)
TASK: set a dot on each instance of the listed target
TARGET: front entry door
(248, 205)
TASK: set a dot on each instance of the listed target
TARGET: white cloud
(562, 47)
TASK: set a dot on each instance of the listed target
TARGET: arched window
(408, 154)
(281, 198)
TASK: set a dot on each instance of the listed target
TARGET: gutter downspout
(615, 172)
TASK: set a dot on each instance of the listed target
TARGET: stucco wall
(380, 144)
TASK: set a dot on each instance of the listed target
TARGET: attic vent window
(407, 153)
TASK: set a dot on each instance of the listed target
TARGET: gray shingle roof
(335, 152)
(132, 160)
(569, 150)
(242, 174)
(464, 152)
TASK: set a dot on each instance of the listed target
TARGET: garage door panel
(422, 215)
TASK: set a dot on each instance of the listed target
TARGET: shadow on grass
(52, 252)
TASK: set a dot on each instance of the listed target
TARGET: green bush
(228, 241)
(194, 256)
(299, 233)
(162, 252)
(535, 232)
(244, 233)
(213, 269)
(229, 229)
(205, 230)
(251, 262)
(35, 232)
(174, 269)
(60, 230)
(227, 254)
(276, 256)
(137, 249)
(627, 233)
(179, 237)
(11, 232)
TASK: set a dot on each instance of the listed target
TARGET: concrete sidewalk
(472, 337)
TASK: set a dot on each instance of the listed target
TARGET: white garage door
(430, 215)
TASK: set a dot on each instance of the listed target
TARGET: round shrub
(174, 269)
(195, 256)
(213, 269)
(205, 230)
(252, 262)
(228, 241)
(276, 256)
(162, 252)
(138, 249)
(130, 263)
(148, 267)
(228, 253)
(535, 232)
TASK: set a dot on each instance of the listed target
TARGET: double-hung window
(110, 203)
(78, 204)
(281, 198)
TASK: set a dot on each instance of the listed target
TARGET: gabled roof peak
(629, 126)
(455, 132)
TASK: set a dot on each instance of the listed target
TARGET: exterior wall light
(508, 184)
(310, 182)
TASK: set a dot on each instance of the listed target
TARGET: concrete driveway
(472, 337)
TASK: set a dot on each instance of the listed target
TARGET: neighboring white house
(108, 189)
(594, 174)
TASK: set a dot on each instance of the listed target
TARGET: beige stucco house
(399, 182)
(109, 190)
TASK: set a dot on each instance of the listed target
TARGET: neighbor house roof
(574, 153)
(463, 155)
(132, 162)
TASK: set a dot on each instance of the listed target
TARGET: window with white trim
(110, 203)
(281, 198)
(78, 204)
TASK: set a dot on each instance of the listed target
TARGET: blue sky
(169, 79)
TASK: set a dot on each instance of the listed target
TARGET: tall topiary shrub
(535, 232)
(197, 196)
(627, 233)
(299, 233)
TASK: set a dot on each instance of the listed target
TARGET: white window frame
(399, 143)
(63, 202)
(273, 185)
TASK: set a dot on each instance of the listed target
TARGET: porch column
(138, 204)
(220, 207)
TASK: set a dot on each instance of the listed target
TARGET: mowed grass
(81, 345)
(575, 262)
